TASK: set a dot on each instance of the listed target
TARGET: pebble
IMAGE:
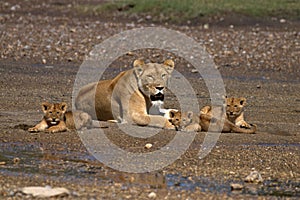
(148, 145)
(152, 195)
(236, 186)
(254, 177)
(44, 192)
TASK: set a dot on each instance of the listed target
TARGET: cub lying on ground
(185, 121)
(129, 96)
(233, 116)
(58, 119)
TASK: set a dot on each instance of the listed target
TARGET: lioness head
(152, 78)
(54, 112)
(235, 106)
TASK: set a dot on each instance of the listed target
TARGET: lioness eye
(163, 75)
(150, 77)
(57, 112)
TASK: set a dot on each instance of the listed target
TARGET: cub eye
(50, 112)
(57, 112)
(228, 105)
(164, 75)
(235, 106)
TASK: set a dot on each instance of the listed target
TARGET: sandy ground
(40, 55)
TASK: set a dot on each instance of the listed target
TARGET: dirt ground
(42, 47)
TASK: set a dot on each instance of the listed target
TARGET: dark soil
(42, 47)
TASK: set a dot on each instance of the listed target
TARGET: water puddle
(31, 160)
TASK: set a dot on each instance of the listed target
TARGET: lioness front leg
(152, 120)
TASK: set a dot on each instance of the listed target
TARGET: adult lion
(129, 96)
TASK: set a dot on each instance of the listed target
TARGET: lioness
(128, 97)
(58, 119)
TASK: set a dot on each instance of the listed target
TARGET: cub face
(152, 78)
(235, 106)
(54, 112)
(181, 120)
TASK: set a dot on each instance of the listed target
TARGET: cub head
(180, 120)
(54, 112)
(235, 106)
(152, 78)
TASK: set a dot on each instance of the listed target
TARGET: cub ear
(138, 69)
(63, 106)
(243, 101)
(172, 113)
(46, 106)
(169, 65)
(190, 114)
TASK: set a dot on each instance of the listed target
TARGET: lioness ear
(63, 106)
(169, 65)
(45, 106)
(243, 101)
(138, 69)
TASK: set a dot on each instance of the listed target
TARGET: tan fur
(233, 114)
(185, 121)
(126, 98)
(58, 119)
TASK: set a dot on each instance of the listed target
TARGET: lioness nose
(159, 88)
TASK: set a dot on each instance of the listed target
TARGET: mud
(267, 75)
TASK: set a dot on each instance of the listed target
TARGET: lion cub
(58, 119)
(233, 114)
(185, 121)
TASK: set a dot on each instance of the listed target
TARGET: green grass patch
(179, 10)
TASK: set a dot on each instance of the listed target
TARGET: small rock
(43, 192)
(44, 61)
(254, 177)
(152, 195)
(282, 20)
(148, 146)
(194, 70)
(2, 163)
(16, 160)
(206, 26)
(258, 86)
(236, 186)
(129, 53)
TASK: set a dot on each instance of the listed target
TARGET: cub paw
(245, 125)
(33, 130)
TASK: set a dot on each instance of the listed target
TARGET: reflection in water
(81, 167)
